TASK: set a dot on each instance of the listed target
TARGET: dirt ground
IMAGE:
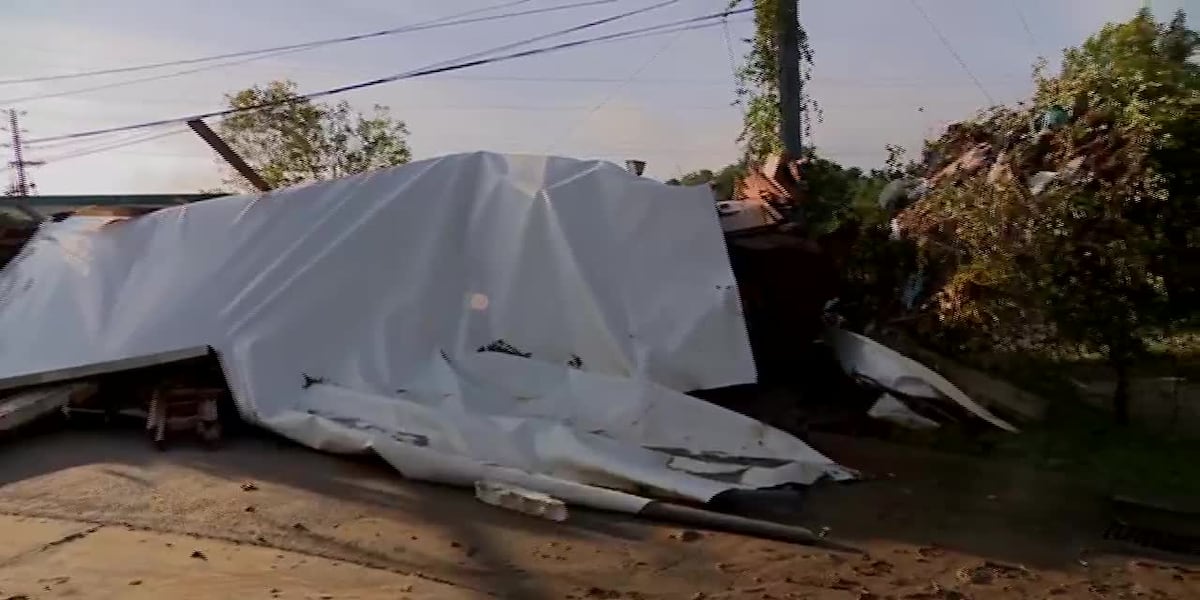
(97, 514)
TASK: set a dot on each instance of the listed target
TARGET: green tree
(293, 140)
(1106, 256)
(838, 193)
(1144, 74)
(693, 178)
(723, 182)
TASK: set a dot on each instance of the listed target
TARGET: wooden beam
(211, 138)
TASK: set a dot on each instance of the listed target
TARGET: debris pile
(764, 197)
(544, 360)
(996, 177)
(521, 500)
(1027, 151)
(169, 396)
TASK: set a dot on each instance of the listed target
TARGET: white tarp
(349, 315)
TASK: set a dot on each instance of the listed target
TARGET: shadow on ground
(999, 509)
(923, 514)
(356, 509)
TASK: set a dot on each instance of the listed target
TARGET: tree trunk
(1121, 395)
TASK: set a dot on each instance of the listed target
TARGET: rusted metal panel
(778, 181)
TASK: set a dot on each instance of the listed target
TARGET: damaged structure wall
(474, 316)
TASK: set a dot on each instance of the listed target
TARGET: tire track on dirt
(377, 563)
(66, 539)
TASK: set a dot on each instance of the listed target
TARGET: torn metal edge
(103, 368)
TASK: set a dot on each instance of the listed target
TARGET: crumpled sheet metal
(863, 356)
(374, 313)
(889, 408)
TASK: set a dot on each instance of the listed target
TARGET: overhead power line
(558, 33)
(113, 146)
(128, 82)
(445, 66)
(1033, 41)
(468, 57)
(617, 90)
(733, 67)
(950, 47)
(256, 55)
(424, 25)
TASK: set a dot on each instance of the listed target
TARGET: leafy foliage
(758, 87)
(295, 140)
(1106, 255)
(839, 195)
(842, 194)
(1144, 74)
(723, 181)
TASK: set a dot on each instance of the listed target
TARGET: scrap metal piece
(778, 181)
(893, 371)
(175, 409)
(889, 408)
(27, 406)
(521, 500)
(1165, 524)
(687, 515)
(102, 368)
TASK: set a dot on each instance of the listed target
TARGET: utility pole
(230, 155)
(787, 28)
(22, 186)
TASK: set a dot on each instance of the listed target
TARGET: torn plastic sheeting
(357, 315)
(892, 370)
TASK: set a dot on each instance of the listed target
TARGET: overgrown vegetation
(1093, 272)
(1104, 257)
(293, 140)
(838, 194)
(723, 182)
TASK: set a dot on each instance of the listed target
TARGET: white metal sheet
(865, 356)
(349, 315)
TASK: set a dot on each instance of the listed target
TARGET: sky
(882, 75)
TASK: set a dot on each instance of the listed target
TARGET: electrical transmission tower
(21, 185)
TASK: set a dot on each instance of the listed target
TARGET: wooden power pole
(787, 28)
(230, 155)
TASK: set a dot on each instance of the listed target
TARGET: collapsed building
(532, 321)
